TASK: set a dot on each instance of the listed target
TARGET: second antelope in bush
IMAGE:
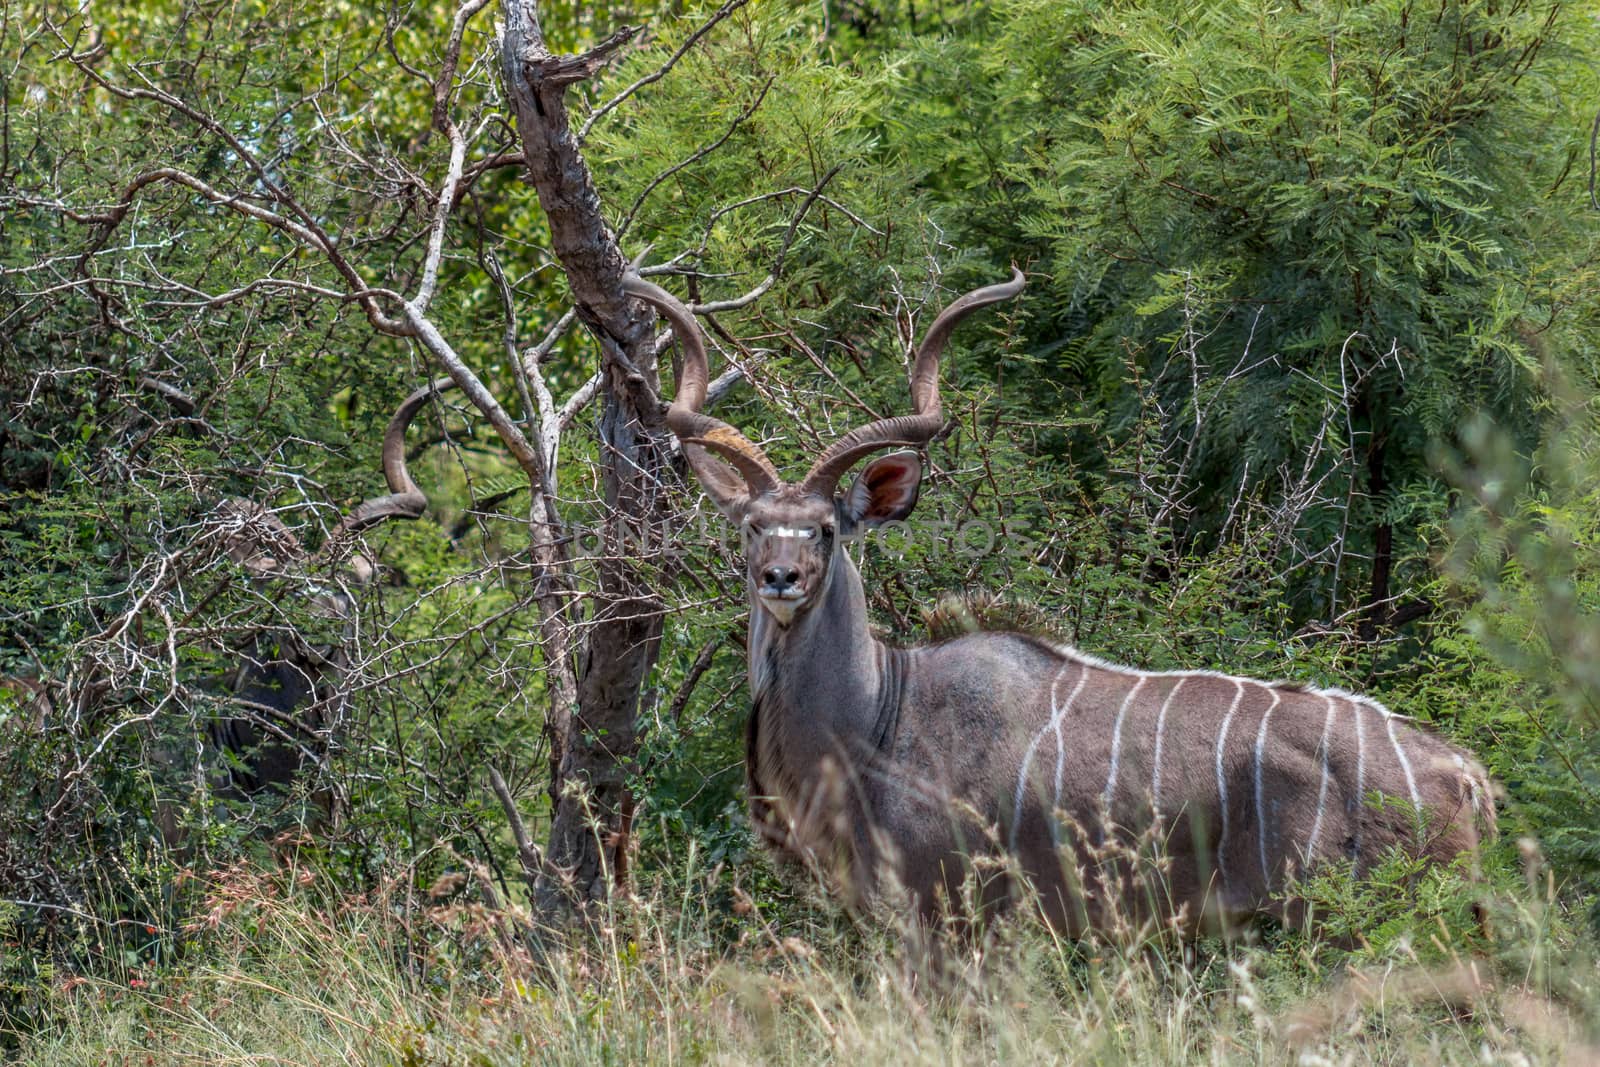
(889, 768)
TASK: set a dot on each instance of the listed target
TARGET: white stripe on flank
(1222, 783)
(1061, 747)
(1027, 759)
(1116, 742)
(1405, 764)
(1161, 725)
(1322, 790)
(1261, 809)
(1361, 775)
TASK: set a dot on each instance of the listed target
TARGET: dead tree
(596, 735)
(595, 651)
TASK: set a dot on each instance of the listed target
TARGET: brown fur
(912, 811)
(896, 772)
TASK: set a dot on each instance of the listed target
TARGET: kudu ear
(721, 482)
(884, 491)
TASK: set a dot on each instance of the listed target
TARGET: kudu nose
(780, 577)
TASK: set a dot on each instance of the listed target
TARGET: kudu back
(890, 769)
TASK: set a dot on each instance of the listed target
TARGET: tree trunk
(623, 634)
(1375, 615)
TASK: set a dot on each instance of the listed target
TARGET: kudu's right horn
(404, 500)
(684, 417)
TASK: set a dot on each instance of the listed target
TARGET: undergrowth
(281, 966)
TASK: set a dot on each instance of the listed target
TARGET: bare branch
(693, 158)
(578, 401)
(177, 397)
(660, 72)
(452, 59)
(793, 190)
(550, 421)
(441, 218)
(750, 297)
(1594, 137)
(108, 220)
(697, 669)
(428, 335)
(307, 227)
(528, 854)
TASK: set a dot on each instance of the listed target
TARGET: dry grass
(284, 969)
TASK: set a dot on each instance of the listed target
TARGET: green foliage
(289, 966)
(1523, 560)
(1404, 907)
(1307, 351)
(1324, 236)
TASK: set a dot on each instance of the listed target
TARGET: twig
(75, 913)
(702, 663)
(693, 158)
(660, 72)
(1594, 134)
(452, 58)
(528, 854)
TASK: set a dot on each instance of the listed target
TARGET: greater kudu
(891, 767)
(287, 692)
(281, 699)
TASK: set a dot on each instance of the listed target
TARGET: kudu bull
(288, 690)
(889, 768)
(283, 697)
(281, 700)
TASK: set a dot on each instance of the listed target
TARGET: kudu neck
(825, 667)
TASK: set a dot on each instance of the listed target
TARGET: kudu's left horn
(909, 431)
(404, 500)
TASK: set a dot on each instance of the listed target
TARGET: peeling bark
(598, 736)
